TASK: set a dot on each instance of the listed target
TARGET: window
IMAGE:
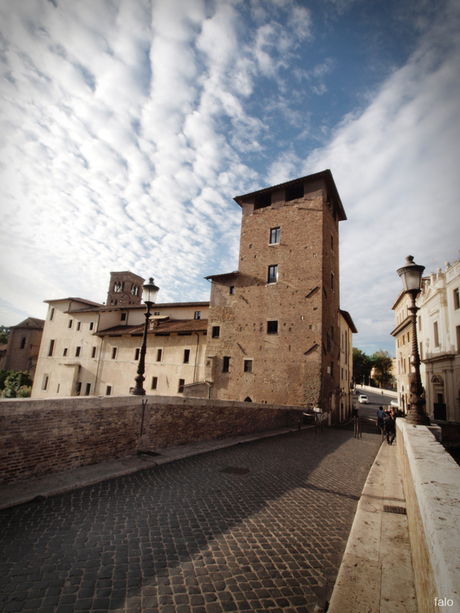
(180, 389)
(262, 201)
(273, 274)
(64, 353)
(275, 236)
(51, 348)
(197, 315)
(272, 327)
(332, 332)
(51, 314)
(88, 389)
(457, 329)
(114, 353)
(186, 356)
(154, 383)
(332, 281)
(226, 364)
(421, 351)
(77, 352)
(215, 331)
(78, 325)
(332, 243)
(78, 388)
(456, 299)
(123, 317)
(135, 290)
(23, 342)
(118, 286)
(91, 325)
(294, 191)
(232, 290)
(70, 323)
(247, 366)
(58, 388)
(108, 390)
(436, 334)
(159, 354)
(332, 369)
(137, 353)
(93, 352)
(46, 379)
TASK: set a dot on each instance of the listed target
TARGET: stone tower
(125, 289)
(273, 334)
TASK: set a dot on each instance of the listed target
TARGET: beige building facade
(438, 334)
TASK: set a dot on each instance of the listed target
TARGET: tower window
(23, 342)
(273, 274)
(226, 364)
(272, 327)
(294, 191)
(215, 331)
(275, 236)
(181, 386)
(232, 289)
(247, 366)
(114, 353)
(262, 201)
(186, 356)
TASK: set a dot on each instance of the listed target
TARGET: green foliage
(383, 364)
(17, 385)
(4, 335)
(3, 375)
(362, 366)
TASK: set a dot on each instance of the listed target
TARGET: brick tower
(125, 289)
(273, 334)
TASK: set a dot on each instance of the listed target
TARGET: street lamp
(150, 291)
(411, 276)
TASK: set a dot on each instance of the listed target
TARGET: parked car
(395, 404)
(363, 399)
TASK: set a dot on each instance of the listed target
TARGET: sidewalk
(376, 573)
(59, 483)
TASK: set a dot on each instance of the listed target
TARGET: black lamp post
(150, 291)
(411, 276)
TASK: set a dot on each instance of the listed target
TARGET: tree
(18, 385)
(383, 365)
(362, 366)
(4, 335)
(3, 375)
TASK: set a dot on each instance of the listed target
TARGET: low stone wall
(46, 436)
(431, 482)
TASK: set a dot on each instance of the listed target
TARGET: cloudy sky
(128, 126)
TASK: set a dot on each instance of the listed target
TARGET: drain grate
(235, 470)
(399, 510)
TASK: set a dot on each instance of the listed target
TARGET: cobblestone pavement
(255, 527)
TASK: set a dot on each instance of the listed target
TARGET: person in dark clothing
(389, 426)
(380, 418)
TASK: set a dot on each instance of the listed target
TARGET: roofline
(347, 317)
(326, 175)
(224, 274)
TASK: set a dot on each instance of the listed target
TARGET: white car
(363, 399)
(395, 404)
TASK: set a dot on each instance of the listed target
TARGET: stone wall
(47, 436)
(431, 482)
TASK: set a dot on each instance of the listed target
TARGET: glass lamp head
(149, 292)
(411, 275)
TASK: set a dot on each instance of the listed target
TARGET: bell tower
(125, 289)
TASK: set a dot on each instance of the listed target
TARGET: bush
(17, 385)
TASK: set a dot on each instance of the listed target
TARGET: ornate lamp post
(150, 290)
(411, 276)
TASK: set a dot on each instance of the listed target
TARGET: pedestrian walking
(389, 426)
(380, 418)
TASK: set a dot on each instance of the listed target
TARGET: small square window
(275, 236)
(180, 389)
(247, 365)
(154, 383)
(272, 327)
(273, 274)
(226, 364)
(215, 331)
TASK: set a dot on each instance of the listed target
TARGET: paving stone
(186, 537)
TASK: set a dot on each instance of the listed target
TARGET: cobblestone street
(255, 527)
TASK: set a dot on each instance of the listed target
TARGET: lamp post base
(417, 415)
(138, 390)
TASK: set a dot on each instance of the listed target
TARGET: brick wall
(38, 437)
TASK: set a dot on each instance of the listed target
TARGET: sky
(128, 127)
